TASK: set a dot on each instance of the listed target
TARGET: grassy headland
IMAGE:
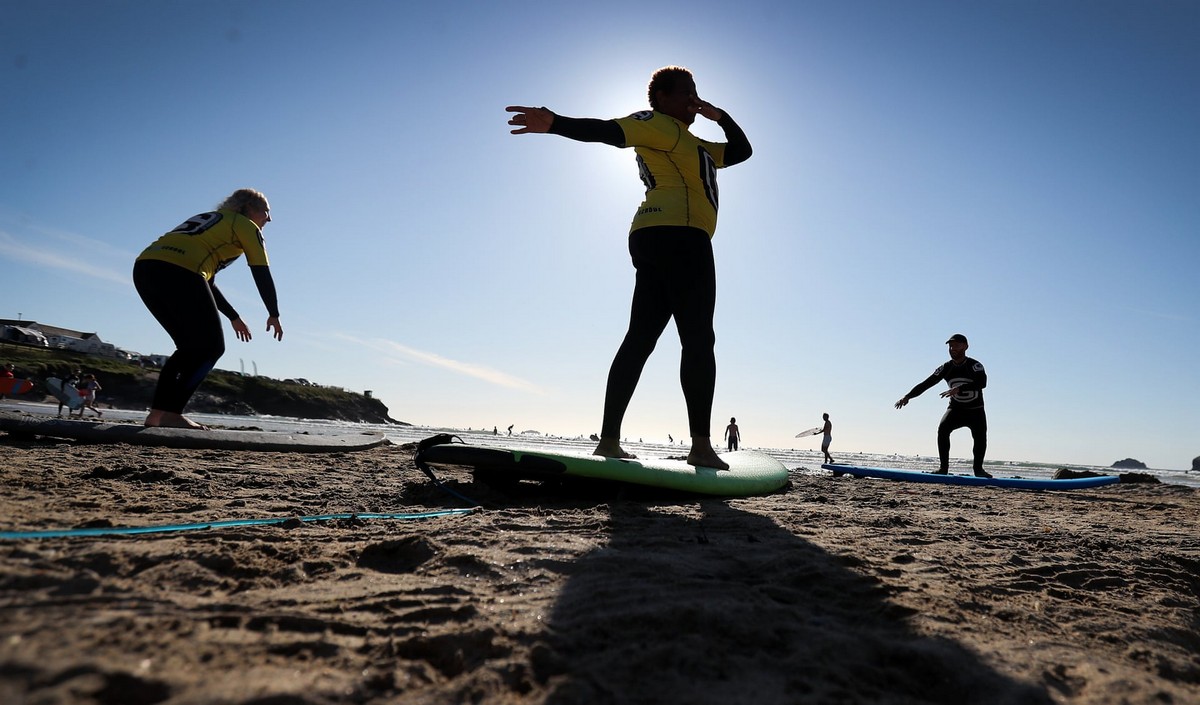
(130, 386)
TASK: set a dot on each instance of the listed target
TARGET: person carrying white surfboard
(670, 243)
(175, 276)
(967, 379)
(67, 392)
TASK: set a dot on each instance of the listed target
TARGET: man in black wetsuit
(967, 379)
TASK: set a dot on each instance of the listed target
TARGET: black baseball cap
(958, 338)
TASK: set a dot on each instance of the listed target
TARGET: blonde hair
(238, 200)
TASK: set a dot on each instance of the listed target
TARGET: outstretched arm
(529, 119)
(580, 129)
(919, 389)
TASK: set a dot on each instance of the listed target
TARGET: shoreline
(792, 457)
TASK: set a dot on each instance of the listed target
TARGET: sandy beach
(833, 591)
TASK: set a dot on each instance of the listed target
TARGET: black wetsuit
(966, 407)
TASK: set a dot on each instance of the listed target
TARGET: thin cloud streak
(49, 258)
(1161, 315)
(469, 369)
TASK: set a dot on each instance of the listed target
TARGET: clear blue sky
(1026, 173)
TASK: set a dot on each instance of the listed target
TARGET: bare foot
(611, 448)
(169, 419)
(702, 455)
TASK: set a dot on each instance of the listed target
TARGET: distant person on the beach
(71, 380)
(510, 429)
(732, 436)
(7, 373)
(87, 389)
(827, 438)
(967, 379)
(176, 278)
(670, 243)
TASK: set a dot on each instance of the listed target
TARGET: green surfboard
(750, 472)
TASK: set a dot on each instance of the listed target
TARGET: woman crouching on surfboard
(175, 277)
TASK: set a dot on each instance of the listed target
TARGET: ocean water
(799, 461)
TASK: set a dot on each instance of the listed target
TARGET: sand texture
(833, 591)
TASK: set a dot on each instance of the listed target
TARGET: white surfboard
(65, 393)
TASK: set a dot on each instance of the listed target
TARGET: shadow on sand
(706, 603)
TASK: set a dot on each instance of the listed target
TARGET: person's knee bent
(638, 346)
(202, 351)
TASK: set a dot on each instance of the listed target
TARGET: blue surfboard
(1013, 482)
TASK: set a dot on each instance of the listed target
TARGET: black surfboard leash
(440, 439)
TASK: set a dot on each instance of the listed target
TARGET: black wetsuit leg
(974, 419)
(676, 277)
(183, 304)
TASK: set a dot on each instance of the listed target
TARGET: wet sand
(833, 591)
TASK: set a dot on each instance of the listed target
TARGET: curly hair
(664, 80)
(238, 200)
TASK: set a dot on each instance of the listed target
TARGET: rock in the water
(1069, 474)
(1130, 463)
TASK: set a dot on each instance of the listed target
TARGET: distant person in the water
(827, 438)
(732, 435)
(967, 379)
(670, 243)
(176, 278)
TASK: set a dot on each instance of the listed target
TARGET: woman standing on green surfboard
(670, 242)
(175, 277)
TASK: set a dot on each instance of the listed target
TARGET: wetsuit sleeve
(266, 287)
(924, 386)
(222, 305)
(737, 147)
(588, 130)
